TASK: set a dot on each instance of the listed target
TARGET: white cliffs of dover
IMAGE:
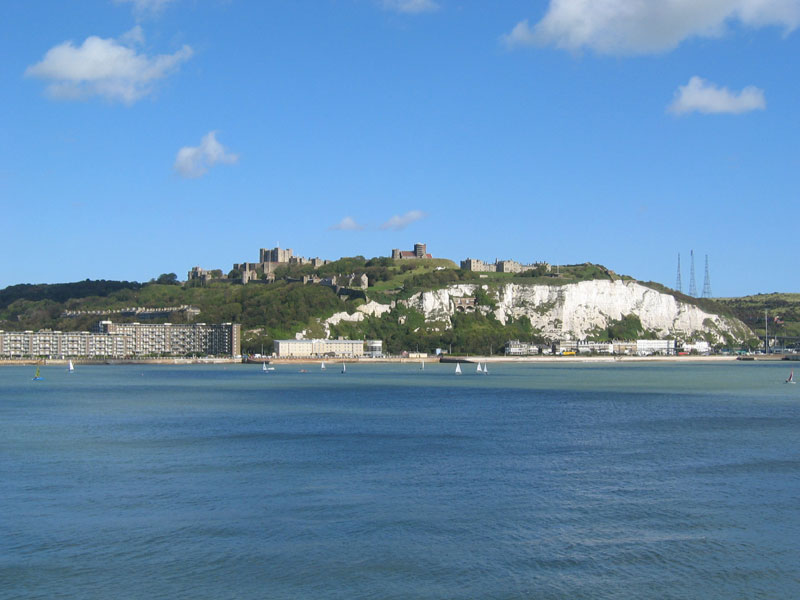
(574, 310)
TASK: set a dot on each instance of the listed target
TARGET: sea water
(535, 481)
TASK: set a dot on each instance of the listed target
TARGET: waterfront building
(318, 348)
(517, 348)
(374, 348)
(648, 347)
(124, 340)
(587, 347)
(701, 347)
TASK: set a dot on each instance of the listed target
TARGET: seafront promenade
(718, 358)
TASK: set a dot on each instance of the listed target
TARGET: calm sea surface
(536, 481)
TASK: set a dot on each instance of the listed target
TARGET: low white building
(648, 347)
(701, 347)
(339, 348)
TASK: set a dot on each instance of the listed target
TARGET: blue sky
(148, 136)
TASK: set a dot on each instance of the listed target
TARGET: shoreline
(397, 360)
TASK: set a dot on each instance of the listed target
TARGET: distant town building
(374, 348)
(125, 340)
(587, 347)
(517, 348)
(701, 347)
(339, 348)
(419, 251)
(648, 347)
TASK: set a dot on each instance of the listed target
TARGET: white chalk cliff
(573, 311)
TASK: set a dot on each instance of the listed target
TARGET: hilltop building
(501, 266)
(271, 258)
(125, 340)
(419, 251)
(204, 275)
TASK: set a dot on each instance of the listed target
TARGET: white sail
(485, 368)
(263, 366)
(422, 365)
(478, 369)
(344, 368)
(71, 367)
(458, 368)
(322, 366)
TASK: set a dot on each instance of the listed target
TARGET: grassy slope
(750, 309)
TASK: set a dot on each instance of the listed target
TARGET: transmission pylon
(678, 284)
(707, 282)
(692, 285)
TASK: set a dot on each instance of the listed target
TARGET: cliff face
(575, 310)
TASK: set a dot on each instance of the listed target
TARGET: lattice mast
(707, 282)
(678, 283)
(692, 285)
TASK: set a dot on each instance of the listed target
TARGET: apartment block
(125, 340)
(338, 348)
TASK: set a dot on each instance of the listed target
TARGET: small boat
(485, 368)
(458, 368)
(344, 367)
(264, 367)
(303, 371)
(37, 377)
(322, 366)
(791, 377)
(70, 367)
(422, 365)
(478, 369)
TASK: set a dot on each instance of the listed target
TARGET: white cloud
(399, 222)
(521, 35)
(646, 26)
(195, 161)
(410, 6)
(702, 96)
(347, 224)
(109, 68)
(145, 7)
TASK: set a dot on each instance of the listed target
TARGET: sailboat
(479, 370)
(37, 377)
(791, 377)
(422, 365)
(322, 366)
(458, 368)
(265, 368)
(70, 367)
(485, 368)
(344, 367)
